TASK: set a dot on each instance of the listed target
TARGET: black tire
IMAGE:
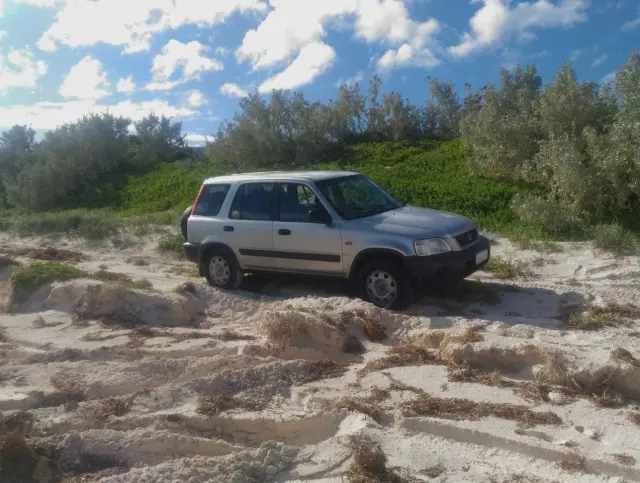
(184, 218)
(234, 274)
(400, 281)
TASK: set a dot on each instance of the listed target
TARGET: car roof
(280, 175)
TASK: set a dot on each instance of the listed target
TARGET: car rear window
(211, 199)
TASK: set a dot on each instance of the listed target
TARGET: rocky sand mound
(519, 380)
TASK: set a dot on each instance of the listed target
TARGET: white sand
(56, 369)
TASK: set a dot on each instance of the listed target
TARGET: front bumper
(447, 267)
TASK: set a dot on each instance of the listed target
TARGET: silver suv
(331, 223)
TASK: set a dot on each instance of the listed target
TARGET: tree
(506, 130)
(159, 139)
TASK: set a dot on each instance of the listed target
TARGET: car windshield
(356, 196)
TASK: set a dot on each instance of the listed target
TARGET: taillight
(195, 203)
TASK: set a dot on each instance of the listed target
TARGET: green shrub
(90, 225)
(612, 237)
(142, 284)
(27, 279)
(171, 186)
(507, 269)
(172, 243)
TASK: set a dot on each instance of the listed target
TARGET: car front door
(300, 245)
(249, 227)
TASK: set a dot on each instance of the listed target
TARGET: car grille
(467, 238)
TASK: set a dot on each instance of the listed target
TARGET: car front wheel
(221, 270)
(385, 284)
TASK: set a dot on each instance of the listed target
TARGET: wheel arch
(214, 247)
(370, 254)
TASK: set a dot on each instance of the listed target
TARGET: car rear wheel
(221, 270)
(385, 284)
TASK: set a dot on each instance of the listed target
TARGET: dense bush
(72, 161)
(550, 159)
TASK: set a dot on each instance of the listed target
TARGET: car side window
(252, 202)
(295, 202)
(211, 199)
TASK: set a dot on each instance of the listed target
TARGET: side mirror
(319, 215)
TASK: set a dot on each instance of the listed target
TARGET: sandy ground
(235, 387)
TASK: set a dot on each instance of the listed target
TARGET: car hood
(414, 221)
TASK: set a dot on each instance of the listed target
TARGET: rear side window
(253, 201)
(211, 199)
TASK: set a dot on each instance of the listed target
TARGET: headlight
(431, 246)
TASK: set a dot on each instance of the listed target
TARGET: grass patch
(464, 409)
(325, 369)
(172, 244)
(185, 288)
(47, 254)
(369, 463)
(372, 327)
(229, 335)
(142, 284)
(90, 225)
(210, 405)
(403, 356)
(613, 237)
(102, 410)
(589, 317)
(27, 279)
(138, 261)
(122, 278)
(507, 269)
(545, 246)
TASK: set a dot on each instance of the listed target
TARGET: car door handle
(227, 228)
(283, 231)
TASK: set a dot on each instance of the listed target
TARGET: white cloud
(20, 69)
(3, 33)
(233, 90)
(632, 24)
(87, 80)
(39, 3)
(574, 55)
(1, 8)
(599, 60)
(293, 26)
(196, 98)
(384, 20)
(496, 18)
(349, 81)
(290, 26)
(610, 77)
(177, 56)
(126, 84)
(195, 139)
(415, 51)
(47, 115)
(313, 60)
(132, 24)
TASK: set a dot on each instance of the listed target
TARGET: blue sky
(193, 59)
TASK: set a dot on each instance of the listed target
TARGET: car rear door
(299, 245)
(248, 229)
